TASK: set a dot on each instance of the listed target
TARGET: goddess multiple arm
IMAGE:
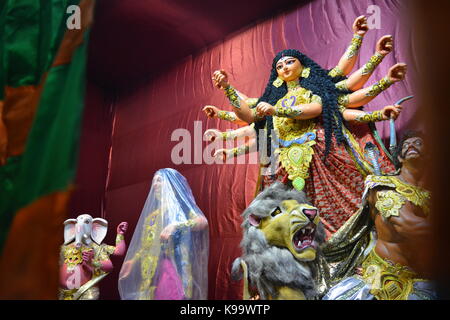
(246, 111)
(357, 80)
(242, 105)
(297, 93)
(363, 96)
(348, 60)
(352, 100)
(247, 132)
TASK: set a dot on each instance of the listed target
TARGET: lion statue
(282, 234)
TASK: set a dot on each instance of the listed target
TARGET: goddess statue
(168, 254)
(305, 110)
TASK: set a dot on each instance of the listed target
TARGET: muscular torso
(402, 239)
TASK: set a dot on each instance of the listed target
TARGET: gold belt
(91, 293)
(88, 291)
(65, 294)
(388, 281)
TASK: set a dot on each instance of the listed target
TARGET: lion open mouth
(304, 238)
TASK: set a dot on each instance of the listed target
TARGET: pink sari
(169, 285)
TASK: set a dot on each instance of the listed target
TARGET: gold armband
(251, 102)
(316, 99)
(225, 115)
(233, 97)
(119, 238)
(240, 150)
(371, 117)
(379, 87)
(186, 225)
(229, 135)
(288, 112)
(256, 116)
(342, 85)
(354, 47)
(336, 72)
(344, 100)
(374, 61)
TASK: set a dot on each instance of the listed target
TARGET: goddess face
(289, 68)
(157, 185)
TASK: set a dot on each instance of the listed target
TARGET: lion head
(282, 234)
(290, 225)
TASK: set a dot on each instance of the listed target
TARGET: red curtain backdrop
(145, 117)
(95, 141)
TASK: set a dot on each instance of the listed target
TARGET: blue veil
(168, 255)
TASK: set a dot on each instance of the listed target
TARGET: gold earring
(278, 82)
(305, 72)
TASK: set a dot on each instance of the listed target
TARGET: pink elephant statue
(84, 259)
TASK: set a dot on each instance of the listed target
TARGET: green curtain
(30, 35)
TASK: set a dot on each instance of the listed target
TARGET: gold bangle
(233, 97)
(288, 112)
(379, 87)
(240, 150)
(119, 237)
(256, 116)
(344, 100)
(374, 61)
(225, 115)
(371, 117)
(229, 135)
(185, 225)
(342, 85)
(354, 47)
(335, 72)
(251, 102)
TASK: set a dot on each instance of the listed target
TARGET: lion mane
(269, 266)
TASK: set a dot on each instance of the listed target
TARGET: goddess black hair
(319, 83)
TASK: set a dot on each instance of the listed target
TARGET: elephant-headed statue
(84, 259)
